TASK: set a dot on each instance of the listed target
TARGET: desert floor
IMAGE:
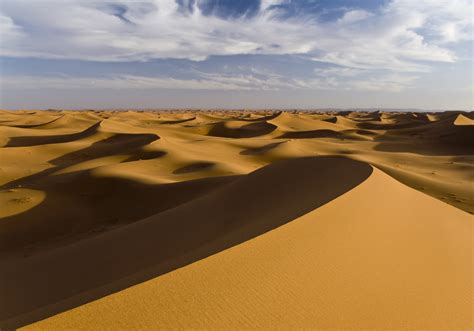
(236, 219)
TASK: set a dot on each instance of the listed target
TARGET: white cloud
(398, 37)
(266, 4)
(119, 82)
(338, 71)
(390, 83)
(207, 81)
(445, 21)
(9, 31)
(353, 16)
(384, 50)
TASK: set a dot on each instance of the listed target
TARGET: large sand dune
(335, 220)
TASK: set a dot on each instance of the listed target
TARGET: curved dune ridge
(236, 219)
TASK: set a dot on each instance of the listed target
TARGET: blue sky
(236, 54)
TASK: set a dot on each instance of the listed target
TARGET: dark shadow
(194, 167)
(350, 134)
(345, 152)
(331, 120)
(312, 134)
(390, 126)
(371, 116)
(261, 150)
(117, 144)
(344, 112)
(145, 155)
(366, 133)
(422, 117)
(246, 131)
(178, 121)
(260, 119)
(427, 147)
(54, 139)
(79, 203)
(442, 137)
(48, 283)
(27, 126)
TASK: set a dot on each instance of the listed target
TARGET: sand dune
(358, 262)
(236, 220)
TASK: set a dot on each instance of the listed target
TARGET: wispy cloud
(397, 37)
(120, 82)
(206, 81)
(268, 46)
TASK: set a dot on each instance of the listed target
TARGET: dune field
(236, 220)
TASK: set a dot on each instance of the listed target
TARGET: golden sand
(146, 220)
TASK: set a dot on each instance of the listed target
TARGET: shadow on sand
(117, 144)
(55, 280)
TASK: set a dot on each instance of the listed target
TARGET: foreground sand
(236, 220)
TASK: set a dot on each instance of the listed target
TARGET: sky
(81, 54)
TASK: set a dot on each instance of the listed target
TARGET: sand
(218, 219)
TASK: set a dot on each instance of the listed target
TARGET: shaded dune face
(312, 134)
(247, 207)
(343, 134)
(442, 137)
(261, 118)
(261, 150)
(114, 144)
(245, 131)
(178, 121)
(95, 205)
(33, 125)
(145, 155)
(198, 166)
(55, 139)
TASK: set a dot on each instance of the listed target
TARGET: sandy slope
(94, 202)
(380, 256)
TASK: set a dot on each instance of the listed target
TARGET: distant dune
(231, 220)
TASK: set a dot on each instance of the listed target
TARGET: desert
(236, 219)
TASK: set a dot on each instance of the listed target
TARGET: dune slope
(380, 256)
(245, 208)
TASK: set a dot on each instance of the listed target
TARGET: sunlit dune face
(18, 201)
